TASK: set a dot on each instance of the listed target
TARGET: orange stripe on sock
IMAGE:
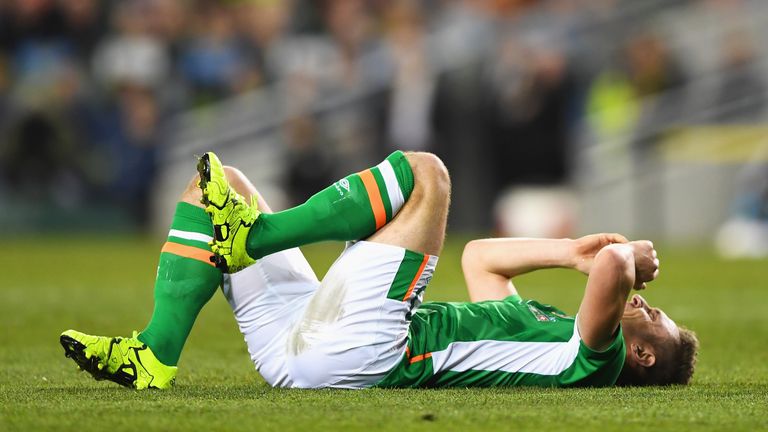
(377, 204)
(416, 278)
(420, 357)
(188, 252)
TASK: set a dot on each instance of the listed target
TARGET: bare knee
(240, 182)
(192, 193)
(430, 172)
(421, 223)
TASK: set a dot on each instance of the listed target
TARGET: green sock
(186, 280)
(350, 209)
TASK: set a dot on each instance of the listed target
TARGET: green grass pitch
(104, 286)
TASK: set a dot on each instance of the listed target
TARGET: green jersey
(512, 342)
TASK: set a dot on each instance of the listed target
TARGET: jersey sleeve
(594, 368)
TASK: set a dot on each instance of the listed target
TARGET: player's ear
(642, 354)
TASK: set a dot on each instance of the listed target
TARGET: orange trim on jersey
(416, 278)
(374, 196)
(188, 252)
(407, 351)
(420, 357)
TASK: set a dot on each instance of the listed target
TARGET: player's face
(643, 320)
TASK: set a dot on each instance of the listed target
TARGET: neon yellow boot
(232, 217)
(126, 361)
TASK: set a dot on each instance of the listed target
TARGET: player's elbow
(469, 257)
(617, 259)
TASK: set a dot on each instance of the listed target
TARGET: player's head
(658, 351)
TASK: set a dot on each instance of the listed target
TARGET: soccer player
(365, 325)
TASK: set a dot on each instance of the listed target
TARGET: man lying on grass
(365, 325)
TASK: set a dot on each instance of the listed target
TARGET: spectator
(464, 31)
(262, 26)
(40, 144)
(82, 26)
(480, 82)
(742, 95)
(132, 55)
(660, 84)
(413, 82)
(528, 115)
(130, 138)
(350, 64)
(211, 62)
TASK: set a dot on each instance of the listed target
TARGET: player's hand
(646, 263)
(585, 249)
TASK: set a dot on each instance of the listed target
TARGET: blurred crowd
(506, 91)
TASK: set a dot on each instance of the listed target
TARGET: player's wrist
(570, 256)
(573, 257)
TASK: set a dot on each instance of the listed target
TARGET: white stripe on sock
(189, 235)
(396, 199)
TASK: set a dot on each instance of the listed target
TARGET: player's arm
(489, 264)
(615, 270)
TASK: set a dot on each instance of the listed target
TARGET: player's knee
(233, 174)
(430, 171)
(239, 181)
(192, 193)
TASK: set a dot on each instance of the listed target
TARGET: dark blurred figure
(133, 65)
(309, 164)
(464, 32)
(37, 157)
(169, 21)
(130, 137)
(211, 62)
(83, 26)
(413, 84)
(132, 52)
(336, 88)
(659, 82)
(4, 85)
(32, 22)
(347, 72)
(40, 143)
(742, 94)
(528, 116)
(355, 71)
(71, 25)
(262, 26)
(660, 85)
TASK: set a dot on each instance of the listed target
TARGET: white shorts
(347, 332)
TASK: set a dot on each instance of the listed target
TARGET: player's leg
(355, 328)
(350, 209)
(420, 225)
(186, 280)
(186, 276)
(266, 296)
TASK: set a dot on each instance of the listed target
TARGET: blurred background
(554, 117)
